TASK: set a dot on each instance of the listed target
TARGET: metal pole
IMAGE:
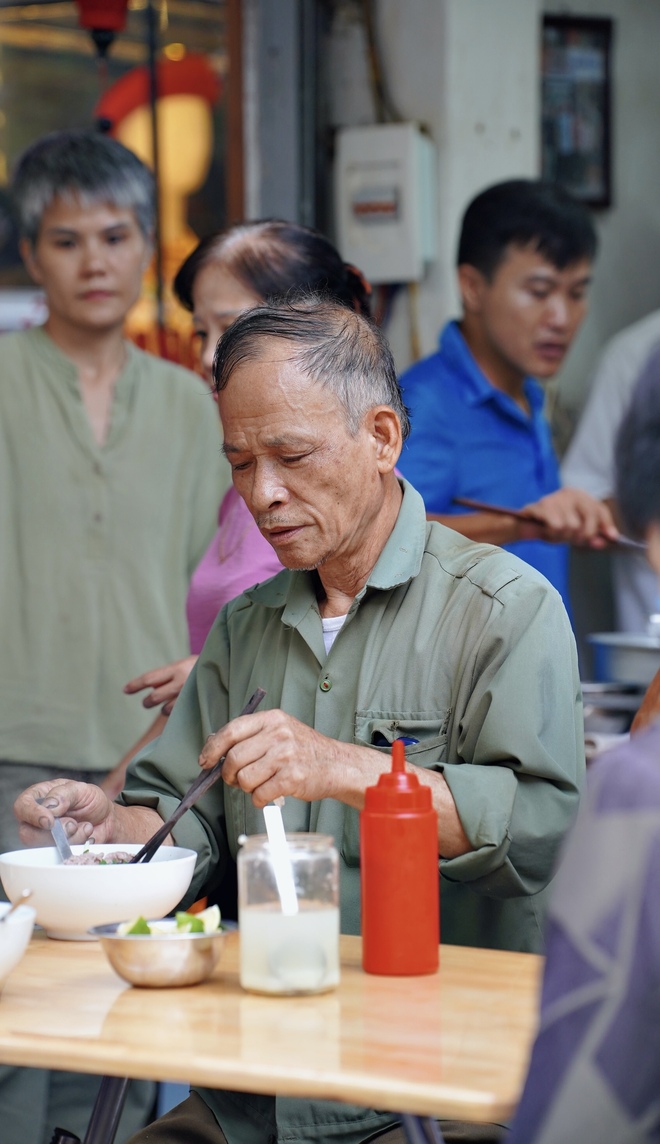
(152, 45)
(107, 1110)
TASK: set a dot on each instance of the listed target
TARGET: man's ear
(31, 265)
(472, 284)
(385, 429)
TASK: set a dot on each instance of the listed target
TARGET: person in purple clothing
(227, 273)
(595, 1067)
(478, 428)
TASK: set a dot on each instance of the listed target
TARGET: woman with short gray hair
(106, 507)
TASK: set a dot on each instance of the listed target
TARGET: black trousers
(193, 1123)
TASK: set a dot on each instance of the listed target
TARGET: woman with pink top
(226, 274)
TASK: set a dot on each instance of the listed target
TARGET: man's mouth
(551, 351)
(281, 534)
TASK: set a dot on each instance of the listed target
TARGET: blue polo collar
(477, 388)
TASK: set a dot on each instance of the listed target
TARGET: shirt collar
(478, 389)
(399, 562)
(68, 372)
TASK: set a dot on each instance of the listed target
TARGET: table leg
(107, 1110)
(419, 1130)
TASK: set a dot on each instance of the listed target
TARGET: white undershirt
(331, 629)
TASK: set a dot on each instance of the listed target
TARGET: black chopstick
(200, 786)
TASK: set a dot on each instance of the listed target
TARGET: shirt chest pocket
(425, 734)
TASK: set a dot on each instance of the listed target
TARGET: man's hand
(570, 516)
(83, 808)
(269, 754)
(165, 683)
(85, 812)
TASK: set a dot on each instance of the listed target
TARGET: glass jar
(289, 952)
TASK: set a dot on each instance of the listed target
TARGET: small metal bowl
(159, 960)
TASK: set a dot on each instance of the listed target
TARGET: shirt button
(98, 517)
(325, 684)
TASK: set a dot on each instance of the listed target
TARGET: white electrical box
(385, 201)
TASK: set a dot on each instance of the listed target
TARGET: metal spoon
(59, 835)
(22, 897)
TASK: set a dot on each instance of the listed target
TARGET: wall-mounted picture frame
(576, 99)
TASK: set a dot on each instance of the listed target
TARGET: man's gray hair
(335, 346)
(81, 165)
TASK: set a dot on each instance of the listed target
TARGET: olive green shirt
(97, 545)
(458, 645)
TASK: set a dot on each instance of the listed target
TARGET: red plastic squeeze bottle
(399, 873)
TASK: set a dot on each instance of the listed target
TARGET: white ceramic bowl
(70, 899)
(15, 934)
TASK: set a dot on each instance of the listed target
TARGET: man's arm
(518, 724)
(271, 754)
(567, 516)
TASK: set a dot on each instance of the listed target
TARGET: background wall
(469, 70)
(627, 279)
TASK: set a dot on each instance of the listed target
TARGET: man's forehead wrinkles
(286, 441)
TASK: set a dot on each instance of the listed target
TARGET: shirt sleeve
(595, 1067)
(517, 788)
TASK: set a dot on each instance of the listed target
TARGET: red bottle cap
(398, 789)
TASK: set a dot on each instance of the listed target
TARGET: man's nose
(267, 488)
(559, 311)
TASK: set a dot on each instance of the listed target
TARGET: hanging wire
(386, 112)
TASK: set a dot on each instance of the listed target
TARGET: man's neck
(500, 373)
(342, 578)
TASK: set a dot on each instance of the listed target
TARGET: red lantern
(103, 19)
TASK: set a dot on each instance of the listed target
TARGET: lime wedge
(206, 921)
(137, 926)
(189, 923)
(210, 919)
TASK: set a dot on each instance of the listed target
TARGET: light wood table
(452, 1045)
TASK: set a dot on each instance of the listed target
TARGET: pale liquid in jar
(297, 953)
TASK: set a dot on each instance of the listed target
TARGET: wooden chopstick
(200, 786)
(499, 510)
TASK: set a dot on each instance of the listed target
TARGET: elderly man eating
(382, 625)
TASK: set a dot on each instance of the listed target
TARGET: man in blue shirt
(479, 431)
